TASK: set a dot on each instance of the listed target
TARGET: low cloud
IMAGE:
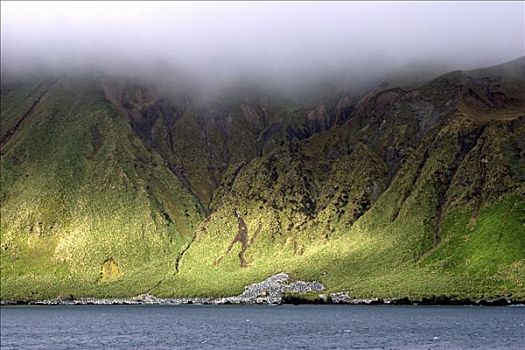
(279, 43)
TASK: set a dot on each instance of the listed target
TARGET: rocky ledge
(277, 289)
(344, 298)
(269, 291)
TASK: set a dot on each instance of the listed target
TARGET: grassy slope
(379, 256)
(78, 187)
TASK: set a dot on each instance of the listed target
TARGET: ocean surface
(262, 327)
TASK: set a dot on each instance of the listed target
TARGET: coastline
(275, 290)
(151, 300)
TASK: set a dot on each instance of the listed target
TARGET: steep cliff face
(79, 187)
(393, 193)
(201, 137)
(415, 183)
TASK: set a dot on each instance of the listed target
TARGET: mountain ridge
(394, 193)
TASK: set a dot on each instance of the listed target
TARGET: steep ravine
(120, 188)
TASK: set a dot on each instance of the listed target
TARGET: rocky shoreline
(274, 290)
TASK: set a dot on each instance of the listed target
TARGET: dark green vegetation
(110, 187)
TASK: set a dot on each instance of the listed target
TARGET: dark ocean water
(262, 327)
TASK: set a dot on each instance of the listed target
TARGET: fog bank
(281, 43)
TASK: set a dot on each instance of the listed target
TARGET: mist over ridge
(280, 45)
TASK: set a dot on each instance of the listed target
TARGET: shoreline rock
(269, 291)
(344, 298)
(275, 290)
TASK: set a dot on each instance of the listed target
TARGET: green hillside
(117, 187)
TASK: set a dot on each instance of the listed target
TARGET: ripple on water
(258, 326)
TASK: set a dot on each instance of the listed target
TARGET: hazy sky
(281, 39)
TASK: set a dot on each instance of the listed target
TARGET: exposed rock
(344, 298)
(338, 298)
(272, 289)
(275, 289)
(269, 291)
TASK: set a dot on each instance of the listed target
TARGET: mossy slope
(114, 188)
(78, 188)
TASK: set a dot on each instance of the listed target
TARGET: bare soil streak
(242, 239)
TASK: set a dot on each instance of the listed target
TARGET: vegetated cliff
(115, 187)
